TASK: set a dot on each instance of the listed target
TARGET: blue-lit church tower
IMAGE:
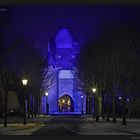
(63, 96)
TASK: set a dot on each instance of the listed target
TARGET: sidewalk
(15, 126)
(91, 127)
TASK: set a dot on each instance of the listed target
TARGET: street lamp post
(128, 108)
(82, 111)
(24, 82)
(96, 104)
(120, 106)
(46, 103)
(94, 90)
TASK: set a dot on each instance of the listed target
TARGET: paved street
(61, 125)
(78, 125)
(70, 125)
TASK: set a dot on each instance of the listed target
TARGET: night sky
(39, 23)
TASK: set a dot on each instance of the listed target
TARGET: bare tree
(7, 46)
(48, 76)
(110, 62)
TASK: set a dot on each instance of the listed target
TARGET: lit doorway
(65, 104)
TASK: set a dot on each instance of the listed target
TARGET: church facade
(63, 96)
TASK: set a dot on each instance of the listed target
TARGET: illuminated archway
(65, 104)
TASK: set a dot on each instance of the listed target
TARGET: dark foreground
(61, 125)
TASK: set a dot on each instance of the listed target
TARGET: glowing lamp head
(46, 93)
(82, 96)
(63, 101)
(24, 82)
(94, 90)
(120, 98)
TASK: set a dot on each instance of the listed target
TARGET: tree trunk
(32, 109)
(28, 106)
(24, 121)
(35, 106)
(38, 105)
(40, 102)
(114, 107)
(124, 110)
(129, 111)
(107, 108)
(97, 108)
(5, 108)
(103, 115)
(90, 105)
(93, 110)
(87, 104)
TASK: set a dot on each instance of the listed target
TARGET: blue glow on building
(43, 104)
(63, 96)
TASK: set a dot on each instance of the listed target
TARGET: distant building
(63, 95)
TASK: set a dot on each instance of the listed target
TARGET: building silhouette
(63, 96)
